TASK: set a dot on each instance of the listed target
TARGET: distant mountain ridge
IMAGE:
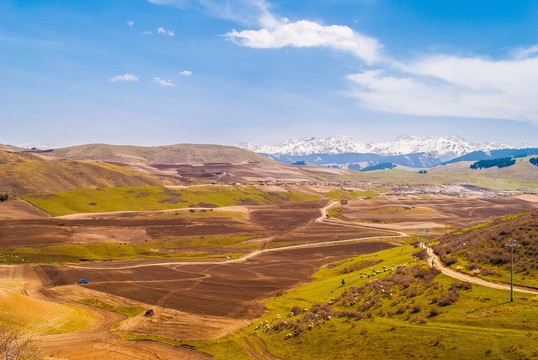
(494, 154)
(444, 148)
(359, 161)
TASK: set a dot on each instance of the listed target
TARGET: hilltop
(191, 154)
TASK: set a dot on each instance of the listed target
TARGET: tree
(14, 345)
(500, 163)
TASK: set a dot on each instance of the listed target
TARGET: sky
(157, 72)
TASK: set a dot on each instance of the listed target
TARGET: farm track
(322, 219)
(471, 279)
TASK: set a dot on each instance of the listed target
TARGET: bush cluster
(361, 302)
(485, 244)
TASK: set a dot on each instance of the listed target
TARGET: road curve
(472, 279)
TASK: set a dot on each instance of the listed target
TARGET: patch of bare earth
(445, 211)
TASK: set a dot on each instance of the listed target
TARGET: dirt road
(471, 279)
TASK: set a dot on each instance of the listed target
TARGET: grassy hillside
(522, 175)
(482, 250)
(149, 198)
(23, 173)
(171, 154)
(387, 306)
(100, 251)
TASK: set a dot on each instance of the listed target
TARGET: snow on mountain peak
(443, 147)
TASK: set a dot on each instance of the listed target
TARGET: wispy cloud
(523, 53)
(125, 77)
(306, 33)
(146, 33)
(163, 82)
(248, 12)
(130, 22)
(162, 31)
(186, 73)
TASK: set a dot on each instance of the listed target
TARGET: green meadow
(411, 312)
(152, 198)
(158, 249)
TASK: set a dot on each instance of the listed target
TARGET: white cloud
(162, 31)
(125, 77)
(146, 32)
(306, 33)
(453, 86)
(281, 33)
(186, 73)
(163, 82)
(130, 22)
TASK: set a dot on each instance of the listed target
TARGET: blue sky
(154, 72)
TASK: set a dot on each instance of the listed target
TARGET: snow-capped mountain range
(444, 148)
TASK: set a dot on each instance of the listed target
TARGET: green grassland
(157, 249)
(393, 210)
(151, 198)
(522, 175)
(339, 194)
(407, 313)
(194, 214)
(336, 212)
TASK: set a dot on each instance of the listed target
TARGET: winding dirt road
(471, 279)
(321, 219)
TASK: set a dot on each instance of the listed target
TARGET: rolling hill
(23, 173)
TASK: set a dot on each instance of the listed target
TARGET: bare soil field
(15, 209)
(226, 290)
(440, 212)
(290, 222)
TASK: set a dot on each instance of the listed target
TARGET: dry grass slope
(23, 173)
(193, 154)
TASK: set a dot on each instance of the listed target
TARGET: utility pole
(512, 244)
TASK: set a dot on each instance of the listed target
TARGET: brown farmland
(439, 211)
